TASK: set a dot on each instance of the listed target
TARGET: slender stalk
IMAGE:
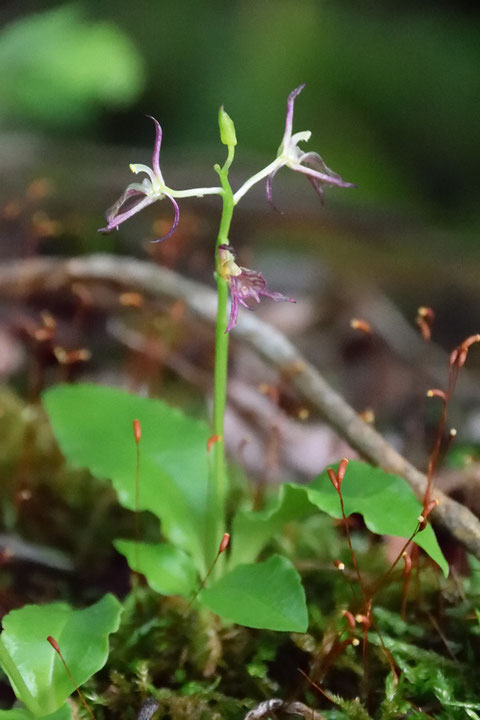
(21, 689)
(221, 363)
(274, 165)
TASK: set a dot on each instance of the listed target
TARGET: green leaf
(387, 503)
(168, 570)
(100, 67)
(265, 595)
(83, 639)
(21, 713)
(251, 531)
(93, 426)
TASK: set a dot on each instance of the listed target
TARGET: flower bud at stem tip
(224, 543)
(137, 430)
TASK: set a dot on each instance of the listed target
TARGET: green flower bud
(227, 128)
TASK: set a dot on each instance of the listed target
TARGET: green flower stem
(221, 364)
(21, 689)
(274, 165)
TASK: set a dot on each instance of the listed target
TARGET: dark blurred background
(392, 100)
(392, 88)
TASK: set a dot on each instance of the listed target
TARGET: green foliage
(35, 671)
(63, 713)
(58, 68)
(251, 531)
(93, 426)
(168, 569)
(366, 490)
(387, 504)
(263, 595)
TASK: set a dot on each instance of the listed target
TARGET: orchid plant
(243, 284)
(175, 467)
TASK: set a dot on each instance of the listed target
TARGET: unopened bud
(471, 340)
(435, 392)
(212, 440)
(227, 128)
(342, 469)
(363, 325)
(54, 644)
(355, 642)
(364, 619)
(339, 565)
(333, 478)
(427, 313)
(224, 543)
(137, 430)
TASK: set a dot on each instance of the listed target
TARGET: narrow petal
(268, 188)
(318, 187)
(277, 297)
(130, 192)
(323, 177)
(316, 162)
(115, 220)
(233, 319)
(156, 148)
(175, 220)
(289, 116)
(249, 285)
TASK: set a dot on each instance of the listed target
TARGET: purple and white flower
(293, 157)
(139, 195)
(244, 284)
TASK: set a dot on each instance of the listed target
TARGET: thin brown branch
(270, 708)
(20, 279)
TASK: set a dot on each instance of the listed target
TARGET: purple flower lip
(138, 196)
(244, 284)
(290, 155)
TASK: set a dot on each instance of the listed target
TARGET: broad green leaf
(93, 426)
(266, 595)
(168, 570)
(251, 530)
(21, 713)
(83, 639)
(387, 503)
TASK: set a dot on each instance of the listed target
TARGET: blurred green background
(392, 88)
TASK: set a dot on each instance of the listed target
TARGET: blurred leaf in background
(57, 68)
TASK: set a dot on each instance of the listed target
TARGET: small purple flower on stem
(138, 196)
(244, 284)
(290, 155)
(308, 163)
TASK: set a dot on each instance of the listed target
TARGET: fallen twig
(20, 279)
(269, 708)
